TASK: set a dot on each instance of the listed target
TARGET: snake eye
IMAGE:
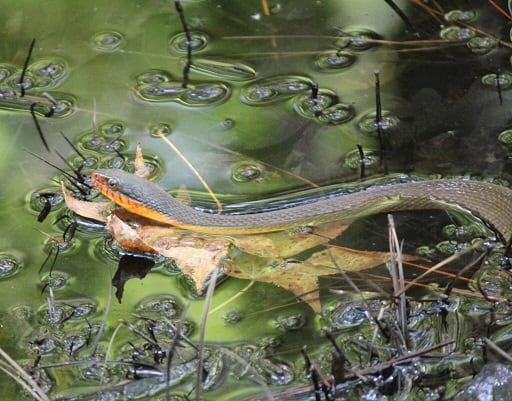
(113, 183)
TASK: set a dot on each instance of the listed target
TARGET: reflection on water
(278, 98)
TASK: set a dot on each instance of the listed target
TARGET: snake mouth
(103, 184)
(108, 187)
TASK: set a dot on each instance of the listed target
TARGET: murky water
(279, 96)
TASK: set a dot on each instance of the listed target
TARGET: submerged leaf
(284, 244)
(301, 277)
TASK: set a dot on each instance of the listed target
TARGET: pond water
(279, 96)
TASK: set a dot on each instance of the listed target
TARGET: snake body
(492, 203)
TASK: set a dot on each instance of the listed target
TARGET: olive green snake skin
(490, 202)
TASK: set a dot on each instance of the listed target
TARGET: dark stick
(313, 374)
(77, 151)
(72, 179)
(188, 63)
(378, 110)
(362, 163)
(378, 118)
(38, 127)
(498, 87)
(401, 14)
(25, 66)
(77, 173)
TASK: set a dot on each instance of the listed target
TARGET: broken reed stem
(444, 262)
(396, 269)
(22, 377)
(202, 331)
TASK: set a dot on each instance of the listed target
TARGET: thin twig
(193, 169)
(202, 332)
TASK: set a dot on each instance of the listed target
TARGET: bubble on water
(233, 317)
(162, 92)
(275, 89)
(50, 245)
(21, 312)
(155, 130)
(340, 113)
(9, 265)
(58, 313)
(52, 71)
(481, 44)
(224, 69)
(115, 162)
(291, 322)
(503, 80)
(505, 137)
(461, 16)
(113, 146)
(291, 85)
(246, 171)
(98, 143)
(345, 315)
(367, 122)
(127, 162)
(43, 83)
(356, 38)
(107, 250)
(107, 41)
(113, 128)
(40, 198)
(457, 33)
(13, 81)
(162, 305)
(179, 43)
(153, 77)
(82, 307)
(274, 371)
(65, 105)
(353, 159)
(66, 310)
(450, 231)
(334, 60)
(309, 107)
(447, 247)
(228, 123)
(256, 95)
(56, 280)
(205, 95)
(91, 141)
(426, 251)
(75, 343)
(6, 71)
(46, 344)
(78, 162)
(167, 267)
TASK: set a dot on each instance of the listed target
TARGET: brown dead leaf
(301, 277)
(98, 211)
(350, 260)
(285, 244)
(140, 166)
(196, 255)
(127, 236)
